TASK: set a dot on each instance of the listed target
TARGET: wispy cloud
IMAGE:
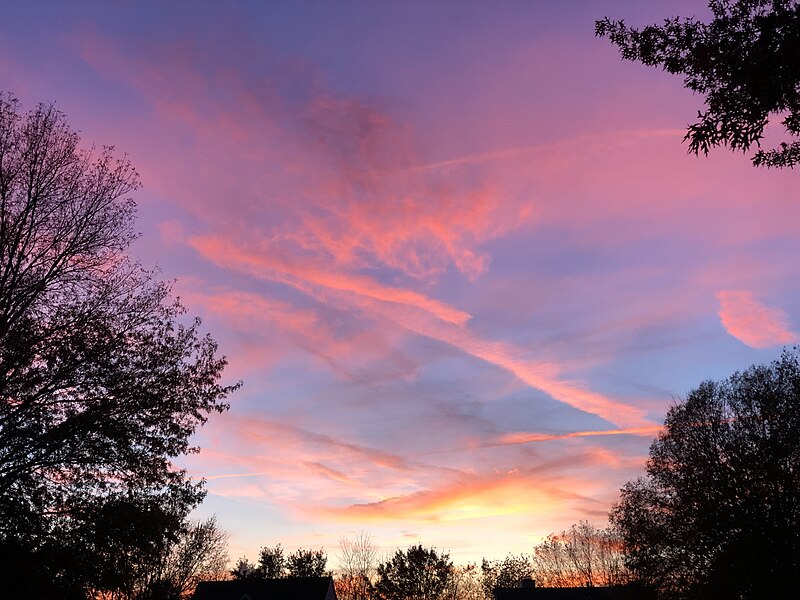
(546, 376)
(430, 297)
(474, 496)
(299, 272)
(751, 322)
(519, 437)
(338, 175)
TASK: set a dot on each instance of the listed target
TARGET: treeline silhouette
(582, 555)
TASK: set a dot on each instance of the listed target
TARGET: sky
(456, 251)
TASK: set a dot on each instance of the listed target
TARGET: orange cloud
(751, 322)
(527, 438)
(469, 496)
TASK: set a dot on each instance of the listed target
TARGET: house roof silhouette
(291, 588)
(573, 593)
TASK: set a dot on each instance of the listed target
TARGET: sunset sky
(456, 251)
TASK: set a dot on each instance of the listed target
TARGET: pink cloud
(307, 472)
(340, 178)
(364, 352)
(448, 328)
(751, 322)
(297, 271)
(295, 467)
(546, 376)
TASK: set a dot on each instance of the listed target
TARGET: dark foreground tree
(101, 381)
(746, 62)
(307, 563)
(418, 573)
(271, 562)
(244, 569)
(718, 513)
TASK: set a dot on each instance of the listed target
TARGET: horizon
(457, 253)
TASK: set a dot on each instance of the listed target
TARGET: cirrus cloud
(752, 323)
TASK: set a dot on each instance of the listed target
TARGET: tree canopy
(745, 61)
(102, 380)
(718, 513)
(272, 564)
(419, 573)
(307, 563)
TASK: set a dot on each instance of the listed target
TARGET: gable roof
(291, 588)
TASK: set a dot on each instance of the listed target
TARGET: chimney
(527, 583)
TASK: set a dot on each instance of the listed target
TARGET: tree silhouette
(244, 569)
(582, 555)
(198, 553)
(101, 381)
(506, 573)
(419, 573)
(307, 563)
(718, 513)
(271, 562)
(746, 62)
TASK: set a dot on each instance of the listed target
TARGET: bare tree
(581, 556)
(358, 562)
(200, 554)
(465, 584)
(506, 573)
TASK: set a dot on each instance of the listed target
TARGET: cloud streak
(519, 437)
(541, 375)
(270, 264)
(544, 376)
(751, 322)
